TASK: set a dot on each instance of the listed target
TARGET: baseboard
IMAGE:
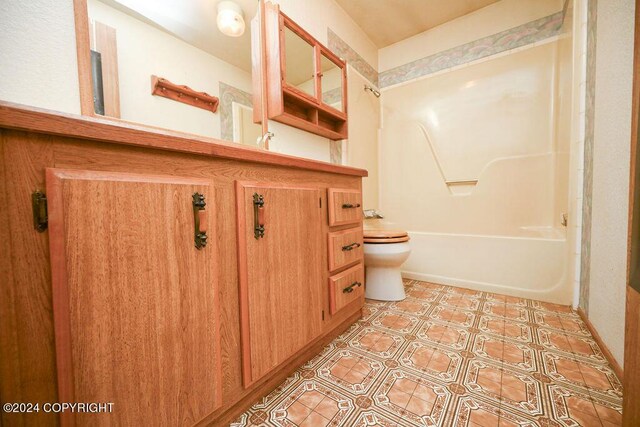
(605, 350)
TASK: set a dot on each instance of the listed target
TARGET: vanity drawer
(346, 287)
(345, 206)
(345, 247)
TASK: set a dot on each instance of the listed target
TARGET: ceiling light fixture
(230, 19)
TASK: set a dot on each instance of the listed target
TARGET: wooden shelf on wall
(285, 102)
(165, 88)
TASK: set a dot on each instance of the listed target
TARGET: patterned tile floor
(451, 357)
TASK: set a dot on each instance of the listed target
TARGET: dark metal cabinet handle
(350, 289)
(39, 207)
(351, 246)
(350, 205)
(258, 216)
(200, 220)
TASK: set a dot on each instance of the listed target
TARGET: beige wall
(144, 50)
(38, 54)
(614, 62)
(362, 145)
(489, 20)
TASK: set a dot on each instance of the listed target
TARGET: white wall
(577, 12)
(144, 50)
(484, 22)
(38, 54)
(614, 65)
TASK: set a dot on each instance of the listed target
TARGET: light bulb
(230, 20)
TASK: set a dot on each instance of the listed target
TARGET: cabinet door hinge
(322, 314)
(320, 202)
(39, 208)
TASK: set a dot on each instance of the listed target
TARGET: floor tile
(449, 356)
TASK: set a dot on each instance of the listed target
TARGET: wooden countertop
(21, 117)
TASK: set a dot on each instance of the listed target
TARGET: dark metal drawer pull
(350, 289)
(350, 206)
(258, 216)
(351, 246)
(200, 220)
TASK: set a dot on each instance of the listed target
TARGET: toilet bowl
(384, 253)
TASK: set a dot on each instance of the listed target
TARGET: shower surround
(477, 161)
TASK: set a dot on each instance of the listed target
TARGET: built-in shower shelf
(462, 187)
(463, 182)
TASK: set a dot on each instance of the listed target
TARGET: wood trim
(334, 266)
(605, 350)
(317, 76)
(83, 53)
(633, 236)
(272, 57)
(335, 280)
(631, 385)
(305, 35)
(106, 44)
(83, 174)
(305, 99)
(343, 80)
(258, 74)
(181, 93)
(243, 280)
(31, 119)
(298, 94)
(264, 85)
(334, 214)
(284, 100)
(60, 294)
(299, 123)
(275, 379)
(631, 381)
(243, 285)
(345, 100)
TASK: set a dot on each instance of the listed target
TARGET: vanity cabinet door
(281, 268)
(135, 302)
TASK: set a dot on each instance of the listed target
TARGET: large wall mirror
(202, 67)
(169, 64)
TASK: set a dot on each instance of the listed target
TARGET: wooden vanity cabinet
(345, 249)
(110, 300)
(345, 207)
(346, 288)
(135, 303)
(280, 265)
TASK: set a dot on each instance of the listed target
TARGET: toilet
(384, 253)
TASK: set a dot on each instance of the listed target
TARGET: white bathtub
(529, 267)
